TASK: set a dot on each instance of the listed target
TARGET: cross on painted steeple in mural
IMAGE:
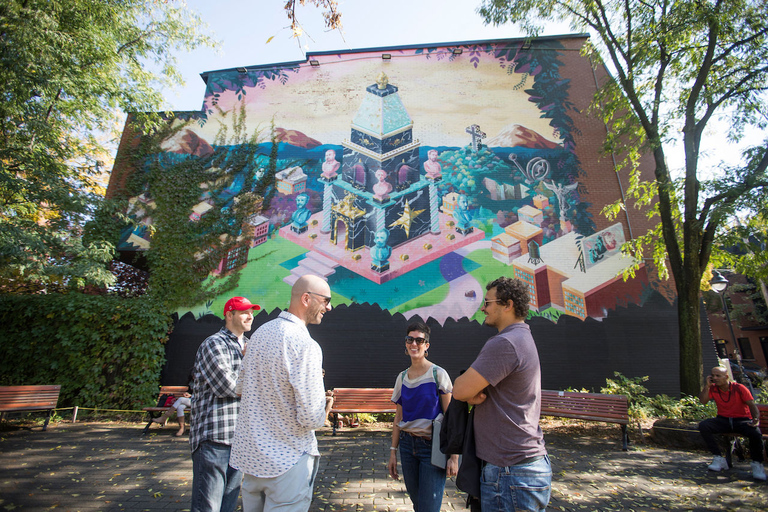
(476, 134)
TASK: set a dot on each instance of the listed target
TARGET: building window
(722, 349)
(746, 349)
(237, 257)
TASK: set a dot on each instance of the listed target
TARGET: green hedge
(105, 352)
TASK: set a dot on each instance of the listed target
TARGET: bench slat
(587, 406)
(763, 419)
(361, 400)
(28, 398)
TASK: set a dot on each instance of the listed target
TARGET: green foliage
(744, 246)
(629, 386)
(685, 408)
(103, 351)
(68, 71)
(761, 394)
(642, 406)
(364, 417)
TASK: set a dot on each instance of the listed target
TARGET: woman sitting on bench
(178, 406)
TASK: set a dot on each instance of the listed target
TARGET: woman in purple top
(422, 393)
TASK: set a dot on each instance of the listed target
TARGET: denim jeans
(215, 484)
(518, 487)
(424, 482)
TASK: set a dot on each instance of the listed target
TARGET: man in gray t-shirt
(504, 383)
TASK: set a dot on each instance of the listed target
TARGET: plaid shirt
(215, 404)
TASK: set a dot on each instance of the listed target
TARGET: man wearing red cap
(215, 405)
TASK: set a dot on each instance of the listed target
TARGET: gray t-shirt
(507, 423)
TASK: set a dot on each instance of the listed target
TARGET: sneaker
(718, 464)
(758, 472)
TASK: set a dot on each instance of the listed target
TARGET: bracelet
(393, 448)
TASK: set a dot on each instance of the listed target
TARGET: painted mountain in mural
(188, 143)
(295, 138)
(515, 135)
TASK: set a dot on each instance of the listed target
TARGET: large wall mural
(410, 182)
(409, 178)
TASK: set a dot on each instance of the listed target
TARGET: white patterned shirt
(283, 399)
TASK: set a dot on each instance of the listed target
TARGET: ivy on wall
(104, 351)
(235, 178)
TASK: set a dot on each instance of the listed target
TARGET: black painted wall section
(363, 346)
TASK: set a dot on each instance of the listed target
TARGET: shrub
(642, 406)
(104, 351)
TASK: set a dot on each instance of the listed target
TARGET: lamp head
(718, 282)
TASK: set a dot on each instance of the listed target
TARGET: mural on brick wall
(411, 182)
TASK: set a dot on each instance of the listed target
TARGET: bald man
(283, 403)
(736, 414)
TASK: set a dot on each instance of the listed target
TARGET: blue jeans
(518, 487)
(215, 484)
(424, 482)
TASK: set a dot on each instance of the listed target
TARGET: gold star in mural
(406, 218)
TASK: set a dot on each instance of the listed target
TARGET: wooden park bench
(361, 400)
(29, 398)
(734, 438)
(588, 407)
(155, 412)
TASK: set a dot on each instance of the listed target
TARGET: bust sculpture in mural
(330, 165)
(381, 189)
(380, 252)
(432, 166)
(462, 216)
(301, 215)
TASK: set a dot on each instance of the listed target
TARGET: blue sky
(243, 28)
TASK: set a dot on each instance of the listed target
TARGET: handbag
(439, 459)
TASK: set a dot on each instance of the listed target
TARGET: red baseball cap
(239, 304)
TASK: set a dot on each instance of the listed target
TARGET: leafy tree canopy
(679, 67)
(68, 71)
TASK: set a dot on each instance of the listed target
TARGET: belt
(426, 438)
(529, 460)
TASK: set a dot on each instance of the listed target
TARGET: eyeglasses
(326, 299)
(418, 341)
(490, 301)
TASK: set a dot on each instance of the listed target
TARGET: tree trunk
(691, 361)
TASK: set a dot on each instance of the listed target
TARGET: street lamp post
(719, 283)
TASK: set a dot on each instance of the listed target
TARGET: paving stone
(110, 467)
